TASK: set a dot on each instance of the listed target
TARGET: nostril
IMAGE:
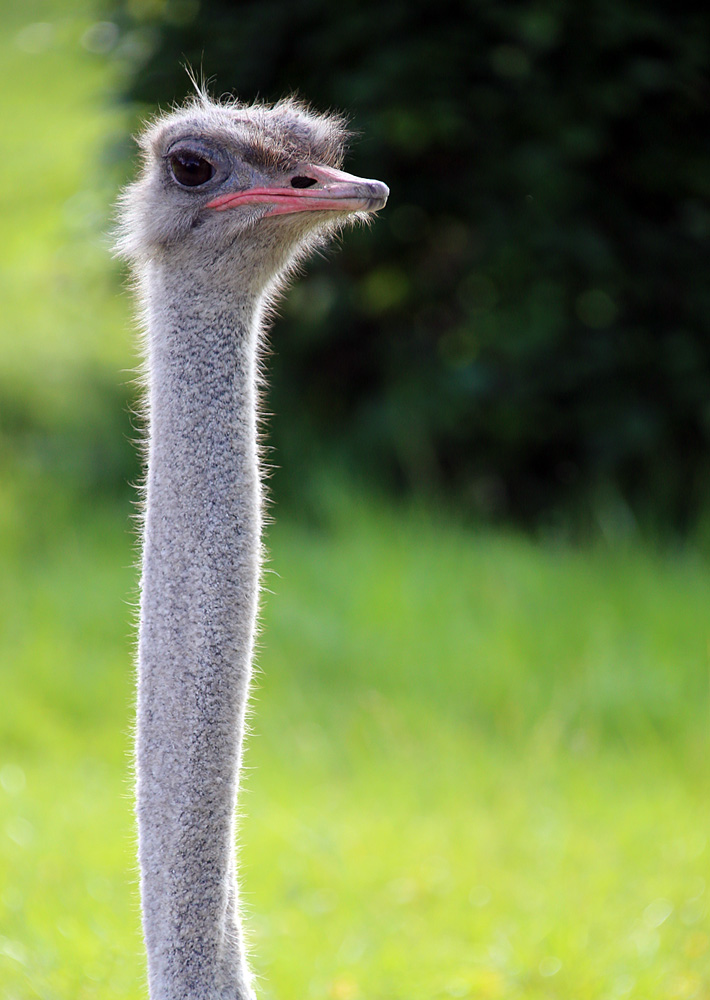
(303, 182)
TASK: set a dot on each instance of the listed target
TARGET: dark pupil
(190, 169)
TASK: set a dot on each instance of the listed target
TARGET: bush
(526, 325)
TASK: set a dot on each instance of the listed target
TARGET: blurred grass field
(478, 765)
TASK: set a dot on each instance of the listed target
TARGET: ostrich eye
(190, 170)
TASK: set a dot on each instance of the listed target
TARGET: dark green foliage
(526, 324)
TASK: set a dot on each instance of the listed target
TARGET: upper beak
(310, 189)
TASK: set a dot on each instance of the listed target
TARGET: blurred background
(480, 737)
(526, 330)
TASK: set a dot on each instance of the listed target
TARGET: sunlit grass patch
(397, 841)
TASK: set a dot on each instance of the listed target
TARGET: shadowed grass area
(470, 618)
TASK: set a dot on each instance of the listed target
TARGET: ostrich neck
(198, 609)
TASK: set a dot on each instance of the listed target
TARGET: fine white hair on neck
(229, 199)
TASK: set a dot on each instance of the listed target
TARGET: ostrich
(229, 199)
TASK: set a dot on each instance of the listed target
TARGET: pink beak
(311, 189)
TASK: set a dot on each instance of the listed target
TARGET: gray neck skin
(198, 609)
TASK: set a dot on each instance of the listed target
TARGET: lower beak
(310, 189)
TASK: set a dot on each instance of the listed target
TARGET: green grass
(425, 817)
(478, 766)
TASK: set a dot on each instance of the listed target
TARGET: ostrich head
(249, 187)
